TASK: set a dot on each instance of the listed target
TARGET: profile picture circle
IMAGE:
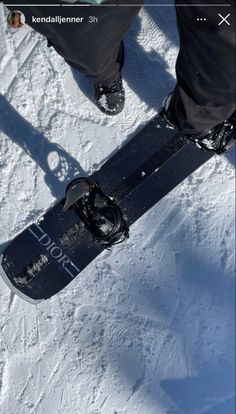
(16, 19)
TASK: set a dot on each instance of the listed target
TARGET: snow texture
(149, 327)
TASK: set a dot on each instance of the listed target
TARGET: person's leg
(205, 92)
(90, 47)
(93, 45)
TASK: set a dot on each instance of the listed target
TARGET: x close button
(223, 19)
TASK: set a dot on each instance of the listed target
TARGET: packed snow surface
(149, 327)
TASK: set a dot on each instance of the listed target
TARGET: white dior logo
(55, 251)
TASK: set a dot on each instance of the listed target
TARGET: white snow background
(149, 327)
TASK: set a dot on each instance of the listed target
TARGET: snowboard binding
(100, 214)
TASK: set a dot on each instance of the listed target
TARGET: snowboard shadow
(141, 304)
(183, 318)
(37, 146)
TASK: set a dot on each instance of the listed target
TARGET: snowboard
(43, 259)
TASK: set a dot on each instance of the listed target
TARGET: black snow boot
(110, 99)
(219, 139)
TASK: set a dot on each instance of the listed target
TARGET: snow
(149, 327)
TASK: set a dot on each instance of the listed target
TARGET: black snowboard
(50, 253)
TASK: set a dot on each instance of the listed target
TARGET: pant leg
(205, 92)
(92, 48)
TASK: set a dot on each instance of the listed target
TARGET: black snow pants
(204, 95)
(91, 47)
(205, 91)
